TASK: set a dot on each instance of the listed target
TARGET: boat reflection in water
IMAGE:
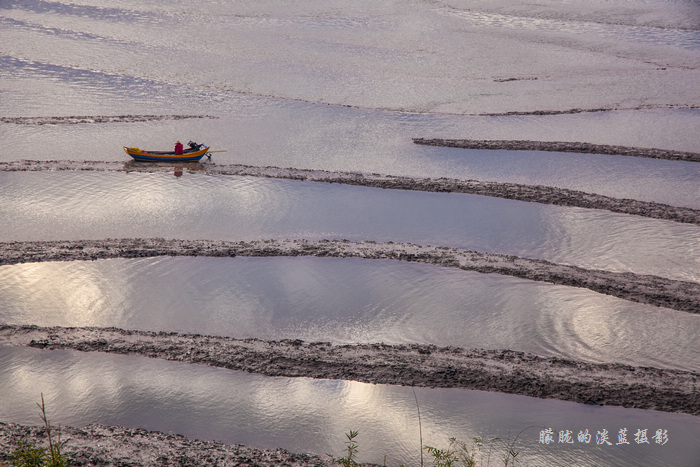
(193, 154)
(178, 169)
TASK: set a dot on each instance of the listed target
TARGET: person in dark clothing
(178, 148)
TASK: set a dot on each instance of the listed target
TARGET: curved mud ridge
(503, 371)
(75, 119)
(561, 146)
(653, 290)
(528, 193)
(119, 446)
(577, 110)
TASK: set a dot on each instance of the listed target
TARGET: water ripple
(681, 38)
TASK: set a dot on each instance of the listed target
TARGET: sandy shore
(529, 193)
(653, 290)
(130, 447)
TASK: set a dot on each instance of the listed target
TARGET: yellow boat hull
(165, 156)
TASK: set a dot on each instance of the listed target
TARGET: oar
(209, 153)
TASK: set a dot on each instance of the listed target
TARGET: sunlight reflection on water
(300, 414)
(72, 206)
(347, 301)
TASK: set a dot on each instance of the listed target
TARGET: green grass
(28, 455)
(456, 454)
(351, 448)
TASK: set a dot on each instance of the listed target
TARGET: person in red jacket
(178, 148)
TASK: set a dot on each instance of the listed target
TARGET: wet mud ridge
(75, 119)
(652, 290)
(561, 146)
(119, 446)
(528, 193)
(503, 371)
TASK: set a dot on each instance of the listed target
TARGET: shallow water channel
(313, 415)
(346, 301)
(73, 206)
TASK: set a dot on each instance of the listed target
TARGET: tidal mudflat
(549, 150)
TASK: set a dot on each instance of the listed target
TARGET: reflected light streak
(64, 294)
(85, 297)
(251, 198)
(158, 193)
(299, 414)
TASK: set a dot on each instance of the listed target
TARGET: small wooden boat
(190, 154)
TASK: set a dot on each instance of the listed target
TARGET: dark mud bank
(561, 146)
(513, 191)
(129, 447)
(502, 371)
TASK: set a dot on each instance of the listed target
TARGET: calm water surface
(329, 138)
(346, 301)
(71, 206)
